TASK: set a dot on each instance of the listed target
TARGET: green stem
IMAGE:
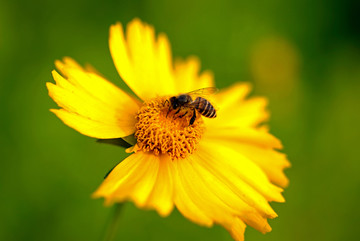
(111, 230)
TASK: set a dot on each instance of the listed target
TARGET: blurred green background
(304, 55)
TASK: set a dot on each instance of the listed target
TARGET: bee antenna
(165, 102)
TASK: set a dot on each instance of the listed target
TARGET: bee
(193, 103)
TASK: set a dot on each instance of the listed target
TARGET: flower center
(161, 129)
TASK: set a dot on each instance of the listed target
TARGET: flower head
(222, 170)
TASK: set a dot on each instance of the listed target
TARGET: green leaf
(116, 141)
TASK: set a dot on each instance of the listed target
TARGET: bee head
(174, 103)
(177, 101)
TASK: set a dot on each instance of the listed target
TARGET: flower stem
(111, 230)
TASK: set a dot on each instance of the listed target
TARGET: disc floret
(160, 131)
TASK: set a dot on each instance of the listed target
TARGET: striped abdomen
(204, 107)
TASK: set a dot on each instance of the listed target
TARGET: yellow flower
(222, 170)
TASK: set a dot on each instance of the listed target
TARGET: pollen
(159, 129)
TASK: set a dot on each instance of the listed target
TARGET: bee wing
(203, 92)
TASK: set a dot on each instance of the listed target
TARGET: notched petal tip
(239, 89)
(117, 24)
(67, 63)
(115, 29)
(49, 86)
(58, 64)
(55, 75)
(284, 182)
(237, 229)
(136, 21)
(278, 144)
(164, 214)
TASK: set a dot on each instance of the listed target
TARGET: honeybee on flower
(192, 103)
(222, 170)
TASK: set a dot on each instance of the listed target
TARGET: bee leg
(178, 110)
(166, 101)
(181, 116)
(174, 116)
(168, 111)
(193, 118)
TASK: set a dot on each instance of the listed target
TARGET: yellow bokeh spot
(275, 64)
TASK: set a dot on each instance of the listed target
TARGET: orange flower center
(161, 129)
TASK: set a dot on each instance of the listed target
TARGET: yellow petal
(233, 110)
(93, 128)
(205, 196)
(67, 64)
(243, 135)
(231, 96)
(92, 105)
(237, 125)
(243, 177)
(246, 113)
(217, 198)
(120, 54)
(202, 193)
(142, 61)
(271, 162)
(188, 78)
(94, 85)
(251, 113)
(257, 145)
(133, 179)
(161, 197)
(185, 203)
(237, 229)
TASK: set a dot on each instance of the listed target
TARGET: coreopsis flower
(222, 170)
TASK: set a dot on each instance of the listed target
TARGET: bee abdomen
(205, 108)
